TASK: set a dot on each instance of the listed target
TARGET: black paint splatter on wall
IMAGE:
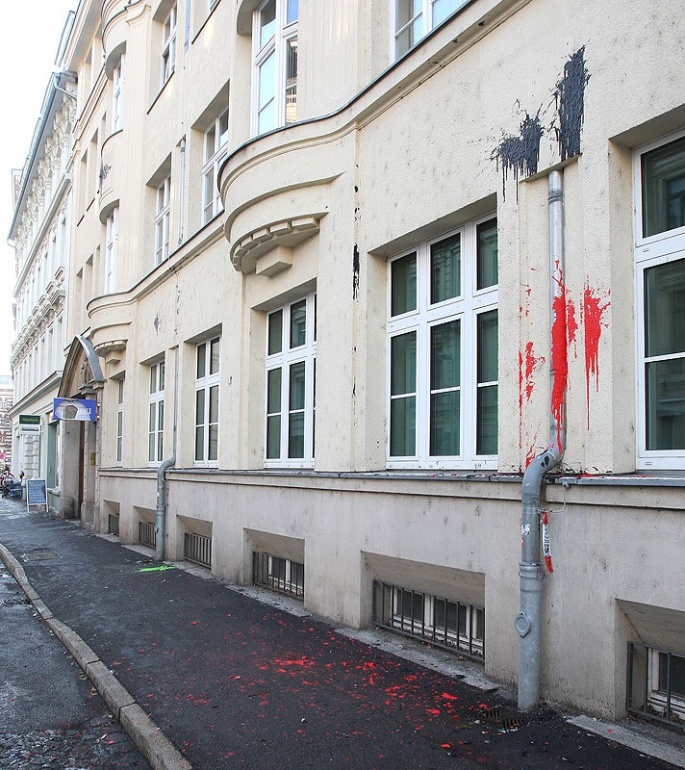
(570, 103)
(520, 153)
(355, 272)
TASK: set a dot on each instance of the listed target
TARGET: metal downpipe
(528, 622)
(160, 521)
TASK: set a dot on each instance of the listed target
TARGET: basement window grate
(656, 684)
(113, 524)
(278, 574)
(198, 549)
(147, 534)
(444, 623)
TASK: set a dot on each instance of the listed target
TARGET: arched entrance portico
(80, 440)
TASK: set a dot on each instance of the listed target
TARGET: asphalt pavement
(202, 675)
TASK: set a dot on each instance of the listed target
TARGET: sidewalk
(204, 676)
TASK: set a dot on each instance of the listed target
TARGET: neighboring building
(313, 289)
(40, 232)
(6, 401)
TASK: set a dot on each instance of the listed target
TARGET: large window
(162, 221)
(207, 361)
(414, 19)
(118, 84)
(111, 244)
(169, 45)
(443, 377)
(660, 262)
(119, 454)
(290, 375)
(275, 65)
(155, 441)
(216, 149)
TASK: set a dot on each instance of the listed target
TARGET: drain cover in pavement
(39, 554)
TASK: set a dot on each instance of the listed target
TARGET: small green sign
(29, 419)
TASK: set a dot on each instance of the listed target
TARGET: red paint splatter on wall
(571, 322)
(594, 308)
(531, 363)
(559, 356)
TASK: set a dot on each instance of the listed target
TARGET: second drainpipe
(160, 524)
(529, 620)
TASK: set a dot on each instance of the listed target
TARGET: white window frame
(118, 90)
(207, 381)
(651, 251)
(429, 16)
(284, 360)
(283, 100)
(111, 247)
(169, 44)
(156, 385)
(215, 152)
(163, 221)
(466, 309)
(119, 451)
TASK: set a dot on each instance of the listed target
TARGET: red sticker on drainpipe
(546, 549)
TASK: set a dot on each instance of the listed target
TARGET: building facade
(369, 293)
(41, 232)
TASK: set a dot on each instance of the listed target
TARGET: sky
(29, 38)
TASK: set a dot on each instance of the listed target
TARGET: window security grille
(278, 574)
(147, 534)
(441, 622)
(656, 684)
(113, 524)
(198, 549)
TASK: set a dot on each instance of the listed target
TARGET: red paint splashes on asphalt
(593, 318)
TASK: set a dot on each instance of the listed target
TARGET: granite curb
(157, 749)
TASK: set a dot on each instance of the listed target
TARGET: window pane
(275, 342)
(445, 356)
(296, 435)
(665, 309)
(153, 379)
(273, 437)
(152, 421)
(267, 22)
(446, 269)
(403, 364)
(487, 346)
(443, 8)
(291, 80)
(201, 360)
(214, 357)
(214, 404)
(297, 383)
(487, 254)
(298, 324)
(273, 397)
(199, 443)
(291, 12)
(663, 188)
(160, 416)
(213, 449)
(486, 423)
(210, 143)
(403, 289)
(267, 80)
(223, 129)
(403, 427)
(445, 419)
(672, 674)
(199, 407)
(162, 376)
(666, 404)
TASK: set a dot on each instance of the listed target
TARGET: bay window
(443, 330)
